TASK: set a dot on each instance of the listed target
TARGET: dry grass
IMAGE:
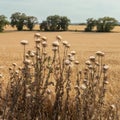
(85, 44)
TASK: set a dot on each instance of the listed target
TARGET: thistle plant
(53, 86)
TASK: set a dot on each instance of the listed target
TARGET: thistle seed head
(37, 40)
(112, 107)
(37, 35)
(76, 62)
(44, 38)
(99, 53)
(44, 44)
(76, 87)
(65, 43)
(88, 62)
(58, 37)
(72, 58)
(105, 67)
(14, 64)
(73, 52)
(55, 49)
(67, 62)
(83, 87)
(68, 45)
(24, 42)
(92, 58)
(55, 44)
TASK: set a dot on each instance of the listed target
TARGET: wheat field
(84, 43)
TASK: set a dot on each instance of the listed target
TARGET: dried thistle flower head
(44, 44)
(37, 35)
(76, 62)
(105, 67)
(14, 64)
(73, 52)
(83, 87)
(97, 64)
(44, 38)
(32, 54)
(65, 43)
(55, 44)
(37, 40)
(106, 82)
(44, 53)
(76, 87)
(58, 37)
(27, 55)
(92, 58)
(99, 53)
(90, 67)
(10, 68)
(55, 49)
(69, 55)
(88, 62)
(71, 58)
(24, 42)
(112, 107)
(67, 62)
(27, 61)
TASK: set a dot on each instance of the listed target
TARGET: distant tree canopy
(3, 22)
(55, 23)
(20, 19)
(90, 24)
(30, 22)
(105, 24)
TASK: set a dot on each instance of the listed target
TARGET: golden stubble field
(84, 43)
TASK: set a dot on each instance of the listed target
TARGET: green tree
(18, 19)
(106, 24)
(64, 22)
(30, 22)
(44, 26)
(90, 24)
(55, 23)
(3, 22)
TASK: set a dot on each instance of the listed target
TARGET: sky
(77, 11)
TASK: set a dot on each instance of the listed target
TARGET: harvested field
(84, 43)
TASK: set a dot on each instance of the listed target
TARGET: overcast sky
(75, 10)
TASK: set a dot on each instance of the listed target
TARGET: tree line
(55, 23)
